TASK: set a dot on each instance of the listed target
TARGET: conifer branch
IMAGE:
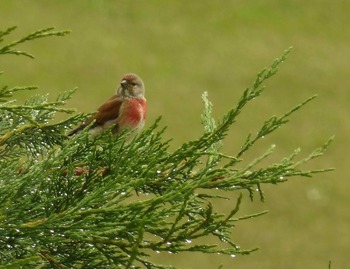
(104, 202)
(9, 48)
(6, 92)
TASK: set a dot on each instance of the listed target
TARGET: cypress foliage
(104, 202)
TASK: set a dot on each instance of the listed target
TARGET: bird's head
(131, 86)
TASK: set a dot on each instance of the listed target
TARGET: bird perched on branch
(126, 109)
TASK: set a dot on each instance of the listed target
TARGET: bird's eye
(133, 83)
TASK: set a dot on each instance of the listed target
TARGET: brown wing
(108, 111)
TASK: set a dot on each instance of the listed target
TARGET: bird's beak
(123, 83)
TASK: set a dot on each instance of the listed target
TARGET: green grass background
(182, 48)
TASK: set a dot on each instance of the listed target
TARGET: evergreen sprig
(9, 48)
(105, 202)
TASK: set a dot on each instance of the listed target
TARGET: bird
(126, 109)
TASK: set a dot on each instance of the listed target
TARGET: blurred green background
(182, 48)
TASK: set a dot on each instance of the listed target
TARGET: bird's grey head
(131, 86)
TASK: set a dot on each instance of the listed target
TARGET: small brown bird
(126, 109)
